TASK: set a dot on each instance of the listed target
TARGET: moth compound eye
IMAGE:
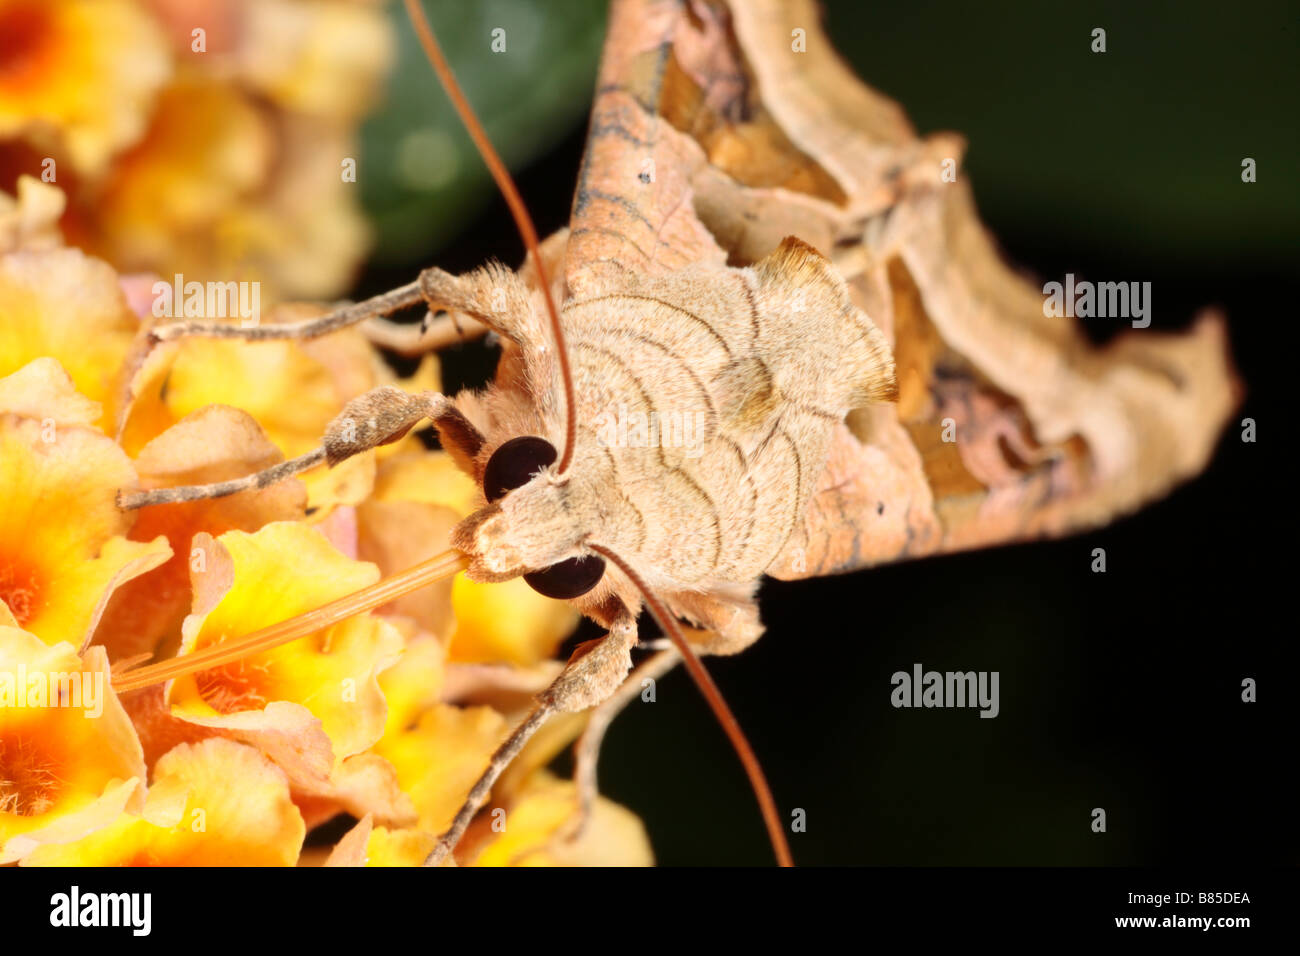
(568, 579)
(514, 464)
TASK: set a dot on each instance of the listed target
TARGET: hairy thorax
(705, 411)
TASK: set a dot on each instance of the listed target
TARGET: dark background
(1119, 690)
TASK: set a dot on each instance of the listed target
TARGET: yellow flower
(216, 443)
(225, 162)
(534, 831)
(214, 803)
(508, 622)
(414, 683)
(397, 534)
(427, 477)
(170, 198)
(292, 389)
(311, 702)
(65, 305)
(31, 221)
(70, 761)
(439, 759)
(398, 847)
(369, 845)
(78, 75)
(317, 59)
(63, 548)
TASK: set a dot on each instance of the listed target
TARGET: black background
(1119, 690)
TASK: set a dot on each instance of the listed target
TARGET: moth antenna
(698, 672)
(437, 568)
(518, 210)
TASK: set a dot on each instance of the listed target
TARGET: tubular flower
(70, 761)
(215, 443)
(58, 571)
(535, 830)
(312, 700)
(214, 803)
(388, 716)
(65, 82)
(201, 150)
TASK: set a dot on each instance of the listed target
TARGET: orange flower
(70, 761)
(534, 830)
(63, 548)
(216, 443)
(214, 803)
(507, 622)
(78, 75)
(225, 161)
(64, 305)
(309, 703)
(174, 196)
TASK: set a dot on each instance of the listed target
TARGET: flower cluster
(387, 717)
(198, 137)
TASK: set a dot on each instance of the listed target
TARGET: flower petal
(65, 305)
(362, 785)
(369, 845)
(507, 622)
(536, 831)
(56, 575)
(70, 761)
(255, 580)
(438, 761)
(31, 221)
(236, 812)
(41, 389)
(216, 443)
(65, 67)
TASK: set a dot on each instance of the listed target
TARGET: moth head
(529, 526)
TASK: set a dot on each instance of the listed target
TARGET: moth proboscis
(757, 364)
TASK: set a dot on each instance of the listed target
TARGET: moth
(761, 245)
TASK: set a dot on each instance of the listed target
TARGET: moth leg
(444, 325)
(494, 296)
(434, 333)
(340, 318)
(460, 307)
(596, 669)
(220, 489)
(593, 674)
(478, 794)
(730, 622)
(378, 417)
(586, 751)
